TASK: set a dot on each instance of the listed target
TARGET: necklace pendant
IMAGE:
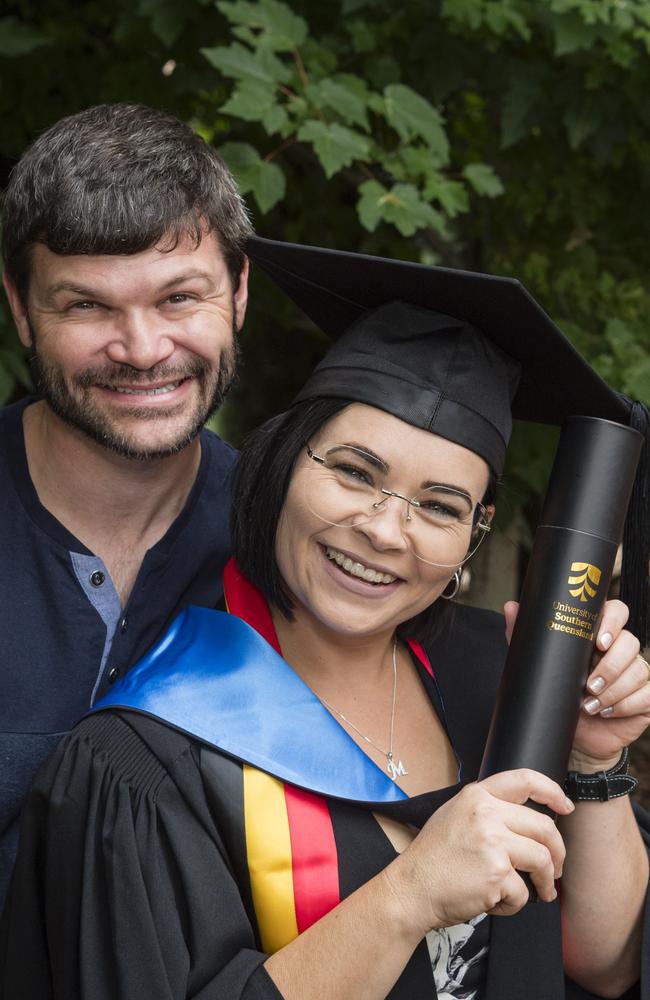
(395, 770)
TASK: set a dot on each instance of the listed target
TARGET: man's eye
(84, 306)
(178, 298)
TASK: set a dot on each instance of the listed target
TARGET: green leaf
(580, 121)
(452, 195)
(339, 95)
(572, 34)
(483, 179)
(518, 104)
(402, 206)
(270, 185)
(275, 119)
(464, 12)
(244, 162)
(335, 145)
(362, 33)
(370, 204)
(636, 381)
(499, 17)
(250, 100)
(167, 18)
(411, 115)
(622, 340)
(265, 180)
(278, 27)
(18, 38)
(382, 70)
(236, 61)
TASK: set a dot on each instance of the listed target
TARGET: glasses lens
(448, 529)
(345, 487)
(343, 484)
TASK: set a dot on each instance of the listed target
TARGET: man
(122, 242)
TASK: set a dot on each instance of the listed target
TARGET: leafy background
(509, 136)
(496, 135)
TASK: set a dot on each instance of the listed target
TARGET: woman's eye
(439, 510)
(354, 474)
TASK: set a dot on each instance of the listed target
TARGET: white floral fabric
(459, 959)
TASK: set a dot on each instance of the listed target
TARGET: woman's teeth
(148, 392)
(357, 568)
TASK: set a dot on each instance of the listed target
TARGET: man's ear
(241, 296)
(18, 311)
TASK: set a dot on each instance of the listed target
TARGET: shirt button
(123, 624)
(97, 578)
(113, 674)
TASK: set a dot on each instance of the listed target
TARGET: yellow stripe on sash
(268, 848)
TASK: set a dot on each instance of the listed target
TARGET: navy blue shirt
(65, 636)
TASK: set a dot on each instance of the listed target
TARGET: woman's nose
(386, 527)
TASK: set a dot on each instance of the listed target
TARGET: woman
(308, 824)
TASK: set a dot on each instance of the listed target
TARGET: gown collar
(221, 679)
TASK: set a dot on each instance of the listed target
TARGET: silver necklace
(394, 769)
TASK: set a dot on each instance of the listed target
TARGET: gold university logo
(585, 580)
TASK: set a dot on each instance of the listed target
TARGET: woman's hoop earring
(456, 578)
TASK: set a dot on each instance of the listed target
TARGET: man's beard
(79, 410)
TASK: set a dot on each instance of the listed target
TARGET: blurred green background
(494, 135)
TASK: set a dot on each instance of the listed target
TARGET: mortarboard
(455, 352)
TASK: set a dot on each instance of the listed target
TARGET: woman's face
(313, 554)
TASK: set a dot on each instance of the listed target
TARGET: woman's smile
(357, 575)
(364, 575)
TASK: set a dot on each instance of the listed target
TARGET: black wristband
(603, 785)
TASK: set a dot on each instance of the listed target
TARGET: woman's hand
(464, 861)
(616, 707)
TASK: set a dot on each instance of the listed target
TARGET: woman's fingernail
(596, 685)
(591, 705)
(605, 640)
(607, 711)
(570, 805)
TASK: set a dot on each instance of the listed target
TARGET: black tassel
(635, 589)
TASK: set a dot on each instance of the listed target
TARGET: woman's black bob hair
(260, 487)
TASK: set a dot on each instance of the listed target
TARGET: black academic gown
(134, 876)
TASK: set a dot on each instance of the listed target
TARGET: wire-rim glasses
(350, 488)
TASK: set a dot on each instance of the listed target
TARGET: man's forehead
(159, 265)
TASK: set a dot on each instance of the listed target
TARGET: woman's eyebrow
(374, 458)
(429, 484)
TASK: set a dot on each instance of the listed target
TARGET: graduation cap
(456, 353)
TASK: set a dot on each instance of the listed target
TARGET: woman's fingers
(523, 784)
(514, 896)
(626, 706)
(537, 826)
(610, 666)
(530, 856)
(510, 611)
(614, 620)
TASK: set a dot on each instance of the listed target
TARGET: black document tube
(565, 588)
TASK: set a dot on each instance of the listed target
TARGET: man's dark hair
(119, 179)
(261, 483)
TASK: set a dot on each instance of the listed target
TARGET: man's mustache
(108, 375)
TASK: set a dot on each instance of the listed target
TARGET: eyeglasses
(347, 487)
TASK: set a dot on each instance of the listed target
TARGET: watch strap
(603, 785)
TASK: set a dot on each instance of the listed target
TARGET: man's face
(135, 351)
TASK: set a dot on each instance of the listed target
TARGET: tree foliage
(499, 135)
